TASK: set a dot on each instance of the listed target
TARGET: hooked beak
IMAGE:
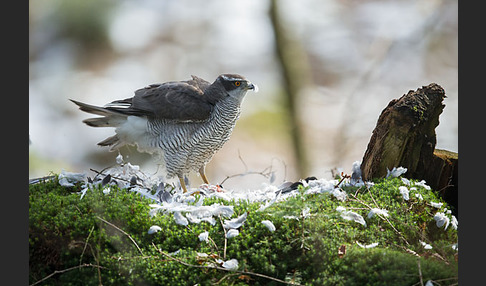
(253, 87)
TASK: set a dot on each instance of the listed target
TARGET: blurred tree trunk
(295, 73)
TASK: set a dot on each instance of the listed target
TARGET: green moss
(66, 231)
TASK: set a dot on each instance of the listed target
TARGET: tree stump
(404, 136)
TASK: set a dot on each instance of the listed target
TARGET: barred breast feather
(184, 146)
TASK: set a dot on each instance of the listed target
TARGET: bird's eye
(237, 83)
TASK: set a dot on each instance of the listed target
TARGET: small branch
(225, 238)
(119, 258)
(122, 231)
(383, 217)
(420, 272)
(267, 172)
(116, 178)
(41, 179)
(85, 245)
(242, 161)
(343, 176)
(66, 270)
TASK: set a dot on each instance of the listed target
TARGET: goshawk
(185, 122)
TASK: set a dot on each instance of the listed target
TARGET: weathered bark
(441, 175)
(404, 136)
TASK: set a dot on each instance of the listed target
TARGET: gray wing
(184, 101)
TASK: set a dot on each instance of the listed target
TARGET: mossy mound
(103, 238)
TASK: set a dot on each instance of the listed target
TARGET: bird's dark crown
(232, 77)
(231, 81)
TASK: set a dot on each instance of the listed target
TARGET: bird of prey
(185, 122)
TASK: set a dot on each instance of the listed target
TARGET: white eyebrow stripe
(232, 78)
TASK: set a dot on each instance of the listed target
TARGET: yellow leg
(183, 184)
(203, 175)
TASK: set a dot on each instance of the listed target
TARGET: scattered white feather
(455, 247)
(396, 172)
(404, 192)
(339, 195)
(368, 245)
(406, 181)
(180, 219)
(369, 184)
(441, 220)
(236, 222)
(83, 192)
(340, 208)
(195, 213)
(68, 179)
(232, 233)
(320, 186)
(419, 196)
(436, 205)
(306, 212)
(153, 229)
(429, 283)
(454, 222)
(202, 254)
(175, 252)
(425, 245)
(269, 225)
(119, 159)
(231, 264)
(378, 211)
(423, 184)
(350, 215)
(204, 236)
(106, 189)
(356, 174)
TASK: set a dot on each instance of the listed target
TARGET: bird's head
(235, 85)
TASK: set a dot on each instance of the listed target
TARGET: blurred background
(325, 71)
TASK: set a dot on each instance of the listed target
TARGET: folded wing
(182, 101)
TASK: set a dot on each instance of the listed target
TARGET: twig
(267, 172)
(225, 238)
(439, 280)
(119, 258)
(383, 217)
(221, 268)
(225, 277)
(66, 270)
(85, 244)
(242, 161)
(100, 172)
(41, 179)
(420, 272)
(122, 231)
(343, 176)
(244, 174)
(114, 177)
(214, 243)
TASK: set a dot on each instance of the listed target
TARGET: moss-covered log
(103, 238)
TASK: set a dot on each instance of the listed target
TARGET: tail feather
(91, 108)
(105, 121)
(113, 142)
(110, 118)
